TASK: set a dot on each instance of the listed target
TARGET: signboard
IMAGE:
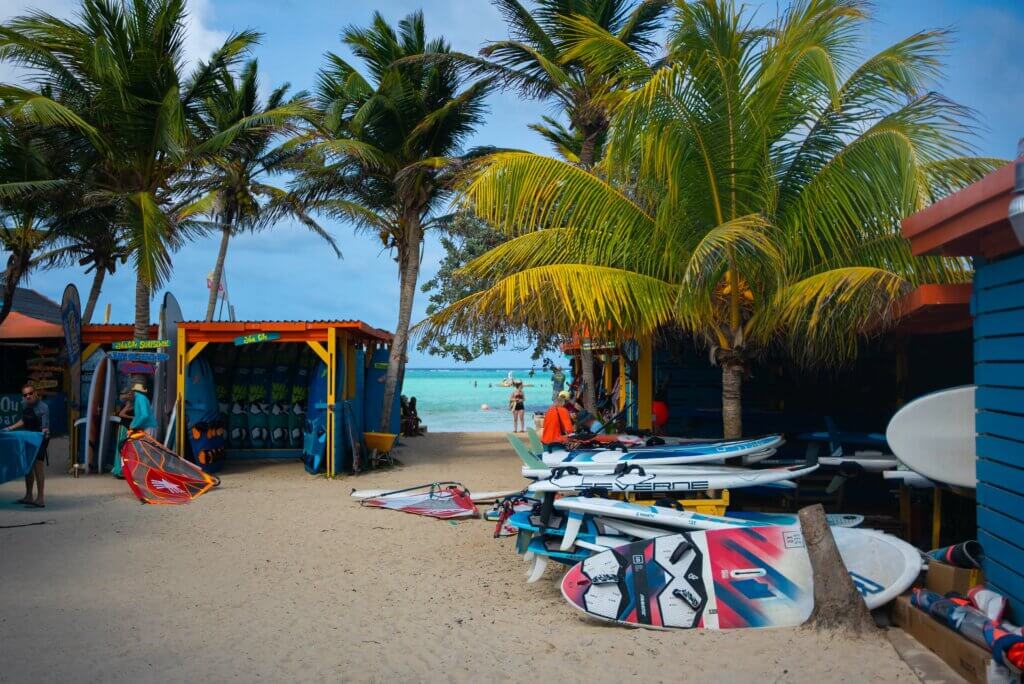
(256, 337)
(141, 344)
(149, 357)
(135, 368)
(381, 365)
(71, 320)
(45, 384)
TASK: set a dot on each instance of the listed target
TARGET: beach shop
(268, 382)
(985, 222)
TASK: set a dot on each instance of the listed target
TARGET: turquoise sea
(450, 400)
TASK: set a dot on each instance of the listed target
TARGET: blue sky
(285, 273)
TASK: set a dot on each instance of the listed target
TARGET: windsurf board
(640, 481)
(934, 435)
(729, 579)
(666, 454)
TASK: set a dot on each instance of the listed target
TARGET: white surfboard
(653, 483)
(934, 436)
(869, 461)
(696, 469)
(165, 389)
(108, 429)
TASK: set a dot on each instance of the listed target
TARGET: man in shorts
(35, 417)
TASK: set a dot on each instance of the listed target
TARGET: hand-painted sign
(39, 365)
(45, 384)
(141, 344)
(149, 357)
(256, 337)
(135, 367)
(381, 365)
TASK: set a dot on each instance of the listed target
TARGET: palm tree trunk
(409, 268)
(587, 376)
(141, 309)
(218, 270)
(732, 405)
(10, 278)
(16, 266)
(587, 153)
(94, 291)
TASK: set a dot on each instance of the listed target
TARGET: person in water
(517, 402)
(35, 417)
(557, 383)
(557, 421)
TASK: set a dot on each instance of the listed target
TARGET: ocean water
(450, 400)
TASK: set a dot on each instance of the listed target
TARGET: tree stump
(837, 604)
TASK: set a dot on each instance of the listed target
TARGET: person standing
(557, 421)
(35, 417)
(557, 383)
(517, 402)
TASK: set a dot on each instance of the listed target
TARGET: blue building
(976, 223)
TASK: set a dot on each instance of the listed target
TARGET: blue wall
(998, 307)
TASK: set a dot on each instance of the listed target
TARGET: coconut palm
(34, 172)
(753, 191)
(540, 61)
(235, 179)
(117, 77)
(381, 148)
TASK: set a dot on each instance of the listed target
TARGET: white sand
(277, 576)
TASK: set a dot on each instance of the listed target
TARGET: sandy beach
(278, 576)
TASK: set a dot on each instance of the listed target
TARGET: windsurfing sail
(156, 475)
(443, 500)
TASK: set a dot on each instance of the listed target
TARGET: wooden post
(837, 604)
(937, 518)
(645, 385)
(181, 363)
(332, 395)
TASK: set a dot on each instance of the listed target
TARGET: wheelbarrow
(380, 445)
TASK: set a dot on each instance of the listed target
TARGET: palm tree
(381, 148)
(116, 74)
(755, 183)
(34, 171)
(235, 177)
(540, 60)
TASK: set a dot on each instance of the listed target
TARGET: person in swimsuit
(35, 417)
(517, 402)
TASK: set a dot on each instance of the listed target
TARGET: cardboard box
(967, 658)
(942, 578)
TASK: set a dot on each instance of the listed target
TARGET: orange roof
(18, 326)
(935, 309)
(105, 333)
(290, 331)
(972, 222)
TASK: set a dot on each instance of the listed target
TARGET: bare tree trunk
(94, 291)
(409, 268)
(218, 270)
(837, 604)
(732, 404)
(142, 296)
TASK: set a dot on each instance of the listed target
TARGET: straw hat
(563, 395)
(139, 387)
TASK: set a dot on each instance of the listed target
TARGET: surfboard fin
(540, 564)
(572, 529)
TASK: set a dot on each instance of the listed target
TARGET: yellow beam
(89, 351)
(196, 349)
(622, 381)
(645, 384)
(332, 394)
(936, 518)
(319, 350)
(179, 394)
